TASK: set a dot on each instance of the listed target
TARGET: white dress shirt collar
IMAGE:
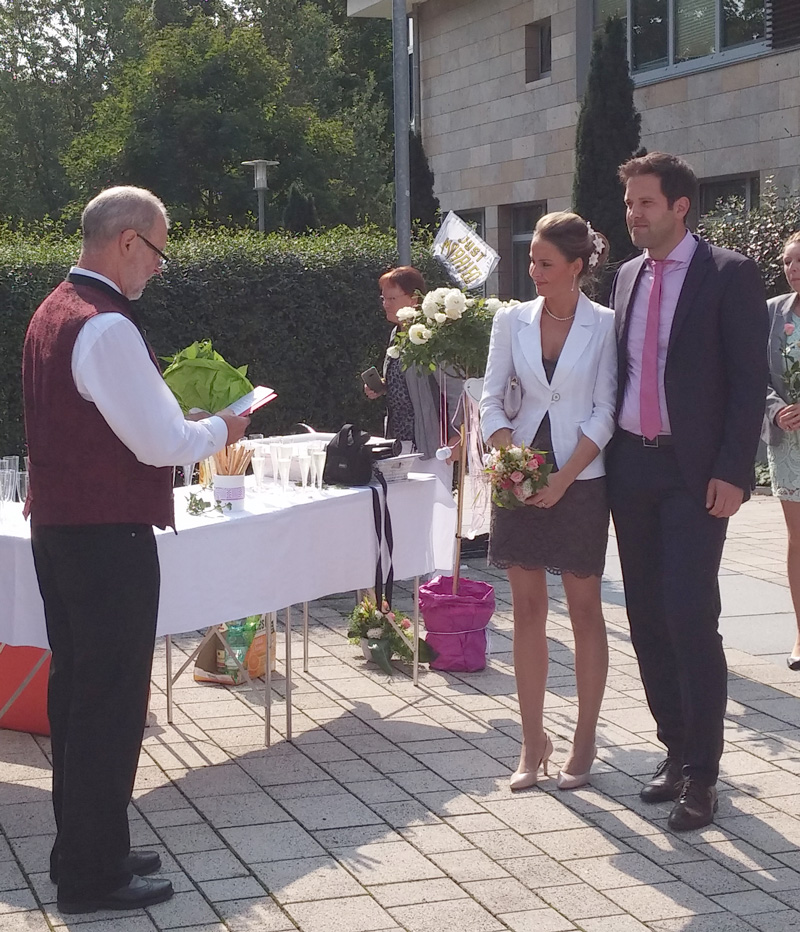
(77, 270)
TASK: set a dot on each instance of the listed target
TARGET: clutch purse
(512, 400)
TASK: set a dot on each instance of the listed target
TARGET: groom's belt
(662, 440)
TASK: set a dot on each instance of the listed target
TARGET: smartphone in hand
(373, 381)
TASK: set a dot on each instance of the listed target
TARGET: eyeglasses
(156, 250)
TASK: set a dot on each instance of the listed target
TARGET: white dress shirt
(112, 368)
(677, 265)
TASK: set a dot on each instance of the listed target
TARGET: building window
(538, 50)
(715, 192)
(673, 36)
(523, 220)
(783, 23)
(475, 218)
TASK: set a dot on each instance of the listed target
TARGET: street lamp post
(260, 168)
(402, 122)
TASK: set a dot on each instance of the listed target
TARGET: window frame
(727, 56)
(535, 34)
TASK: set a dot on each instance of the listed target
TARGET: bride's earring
(574, 280)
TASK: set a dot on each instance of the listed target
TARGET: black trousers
(670, 550)
(100, 586)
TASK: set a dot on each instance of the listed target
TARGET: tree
(424, 203)
(300, 213)
(607, 135)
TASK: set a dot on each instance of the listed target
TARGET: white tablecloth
(282, 550)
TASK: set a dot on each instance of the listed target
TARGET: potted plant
(384, 633)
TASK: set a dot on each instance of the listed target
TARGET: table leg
(288, 672)
(268, 681)
(168, 645)
(415, 677)
(305, 637)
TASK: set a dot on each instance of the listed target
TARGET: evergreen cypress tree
(424, 203)
(607, 135)
(300, 213)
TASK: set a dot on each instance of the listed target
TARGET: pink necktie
(649, 406)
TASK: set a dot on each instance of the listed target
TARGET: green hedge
(303, 312)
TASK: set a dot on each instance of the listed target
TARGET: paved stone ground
(391, 809)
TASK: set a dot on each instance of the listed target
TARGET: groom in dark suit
(692, 334)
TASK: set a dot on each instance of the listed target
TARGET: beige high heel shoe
(569, 781)
(522, 779)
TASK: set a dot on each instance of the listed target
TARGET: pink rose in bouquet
(516, 473)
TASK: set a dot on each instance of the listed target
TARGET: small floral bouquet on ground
(385, 633)
(516, 473)
(791, 364)
(448, 329)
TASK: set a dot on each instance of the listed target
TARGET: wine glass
(188, 473)
(259, 461)
(22, 485)
(11, 464)
(285, 464)
(318, 458)
(273, 455)
(8, 486)
(304, 462)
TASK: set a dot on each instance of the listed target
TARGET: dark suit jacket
(780, 313)
(716, 366)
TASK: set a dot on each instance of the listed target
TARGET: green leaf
(381, 652)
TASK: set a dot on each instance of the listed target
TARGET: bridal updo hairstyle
(575, 239)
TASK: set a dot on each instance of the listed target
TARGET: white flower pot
(365, 650)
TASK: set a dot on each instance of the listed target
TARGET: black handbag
(347, 458)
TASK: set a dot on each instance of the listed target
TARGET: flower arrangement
(791, 364)
(448, 329)
(515, 474)
(386, 633)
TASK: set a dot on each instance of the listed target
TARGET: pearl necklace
(551, 314)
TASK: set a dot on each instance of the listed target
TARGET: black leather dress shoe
(695, 807)
(666, 783)
(135, 895)
(140, 863)
(793, 663)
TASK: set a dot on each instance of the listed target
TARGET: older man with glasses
(103, 430)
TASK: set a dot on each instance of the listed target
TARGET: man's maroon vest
(80, 471)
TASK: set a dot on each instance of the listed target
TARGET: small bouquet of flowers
(449, 329)
(515, 474)
(791, 364)
(384, 633)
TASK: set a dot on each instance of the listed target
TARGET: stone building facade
(500, 83)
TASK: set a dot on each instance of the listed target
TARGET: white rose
(393, 352)
(455, 300)
(407, 313)
(441, 293)
(453, 312)
(430, 305)
(374, 633)
(439, 317)
(493, 305)
(418, 334)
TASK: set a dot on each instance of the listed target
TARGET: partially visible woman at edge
(782, 421)
(413, 398)
(562, 349)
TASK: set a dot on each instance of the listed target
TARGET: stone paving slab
(391, 807)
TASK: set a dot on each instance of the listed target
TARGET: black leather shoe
(793, 663)
(695, 807)
(666, 783)
(137, 894)
(140, 863)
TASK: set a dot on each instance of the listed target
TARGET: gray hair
(120, 208)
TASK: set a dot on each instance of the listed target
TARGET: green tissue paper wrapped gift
(200, 378)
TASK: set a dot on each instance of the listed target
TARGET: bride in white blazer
(562, 350)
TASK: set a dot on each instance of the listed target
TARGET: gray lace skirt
(570, 537)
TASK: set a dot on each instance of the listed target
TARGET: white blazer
(580, 400)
